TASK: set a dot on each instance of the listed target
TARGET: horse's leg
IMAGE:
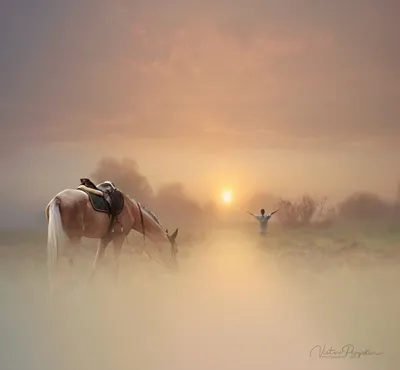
(73, 249)
(99, 255)
(118, 241)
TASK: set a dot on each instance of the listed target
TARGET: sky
(269, 96)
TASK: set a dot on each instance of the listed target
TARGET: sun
(226, 196)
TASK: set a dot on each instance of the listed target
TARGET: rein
(141, 220)
(173, 254)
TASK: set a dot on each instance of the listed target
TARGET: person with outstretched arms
(263, 220)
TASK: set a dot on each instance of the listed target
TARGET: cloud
(160, 70)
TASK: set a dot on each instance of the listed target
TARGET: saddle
(113, 197)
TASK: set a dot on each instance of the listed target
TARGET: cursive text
(347, 351)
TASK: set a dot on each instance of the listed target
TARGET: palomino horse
(104, 213)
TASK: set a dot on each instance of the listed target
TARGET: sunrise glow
(227, 196)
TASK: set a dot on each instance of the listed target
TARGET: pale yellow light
(227, 196)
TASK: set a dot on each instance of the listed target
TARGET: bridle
(173, 247)
(142, 222)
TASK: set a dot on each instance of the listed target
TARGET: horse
(101, 212)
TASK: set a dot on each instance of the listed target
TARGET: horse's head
(174, 247)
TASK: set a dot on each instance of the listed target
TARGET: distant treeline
(359, 206)
(174, 206)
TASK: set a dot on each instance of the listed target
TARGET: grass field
(238, 302)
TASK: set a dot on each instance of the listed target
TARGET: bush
(306, 211)
(287, 214)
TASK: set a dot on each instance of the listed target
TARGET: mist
(170, 201)
(237, 302)
(293, 105)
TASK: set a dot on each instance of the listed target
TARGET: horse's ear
(173, 236)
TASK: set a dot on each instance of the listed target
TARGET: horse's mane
(150, 213)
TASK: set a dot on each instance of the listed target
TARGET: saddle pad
(98, 202)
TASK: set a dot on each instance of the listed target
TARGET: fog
(271, 99)
(237, 302)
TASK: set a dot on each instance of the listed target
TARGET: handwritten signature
(346, 351)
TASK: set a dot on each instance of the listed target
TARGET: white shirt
(263, 223)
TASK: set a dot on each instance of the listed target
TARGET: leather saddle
(113, 197)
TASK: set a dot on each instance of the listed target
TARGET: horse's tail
(56, 234)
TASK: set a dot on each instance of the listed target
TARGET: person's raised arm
(273, 212)
(270, 214)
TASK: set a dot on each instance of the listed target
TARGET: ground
(239, 302)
